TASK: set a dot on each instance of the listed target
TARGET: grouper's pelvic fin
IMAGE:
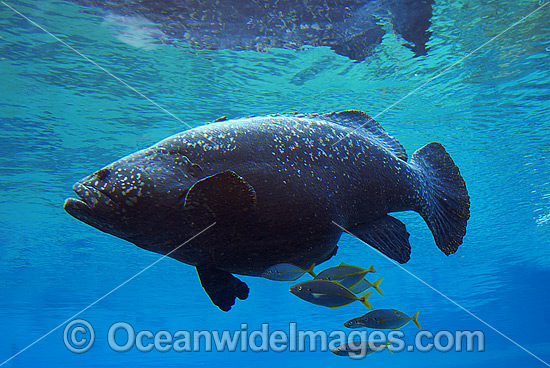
(445, 204)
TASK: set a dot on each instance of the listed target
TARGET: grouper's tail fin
(445, 204)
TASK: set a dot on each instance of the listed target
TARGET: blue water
(62, 118)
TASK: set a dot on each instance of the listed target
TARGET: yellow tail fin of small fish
(375, 286)
(364, 299)
(310, 270)
(371, 269)
(388, 346)
(415, 320)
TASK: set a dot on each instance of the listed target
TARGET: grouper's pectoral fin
(221, 286)
(228, 200)
(386, 234)
(222, 197)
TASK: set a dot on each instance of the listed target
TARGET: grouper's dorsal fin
(221, 118)
(224, 196)
(363, 122)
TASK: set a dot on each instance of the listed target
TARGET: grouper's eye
(102, 174)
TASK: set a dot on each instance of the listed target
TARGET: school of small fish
(336, 287)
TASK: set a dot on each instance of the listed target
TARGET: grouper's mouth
(94, 207)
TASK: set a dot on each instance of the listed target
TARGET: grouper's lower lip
(91, 200)
(80, 210)
(77, 208)
(93, 207)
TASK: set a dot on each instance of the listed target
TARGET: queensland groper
(270, 190)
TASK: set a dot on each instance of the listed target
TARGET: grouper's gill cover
(279, 189)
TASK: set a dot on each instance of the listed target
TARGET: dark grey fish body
(274, 186)
(327, 293)
(285, 272)
(346, 276)
(383, 319)
(359, 349)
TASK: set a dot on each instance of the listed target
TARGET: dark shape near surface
(352, 28)
(274, 186)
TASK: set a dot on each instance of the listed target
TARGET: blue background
(62, 118)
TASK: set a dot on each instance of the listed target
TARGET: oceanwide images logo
(79, 337)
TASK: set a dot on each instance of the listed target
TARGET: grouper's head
(138, 198)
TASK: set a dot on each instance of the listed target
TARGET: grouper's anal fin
(386, 234)
(221, 286)
(220, 198)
